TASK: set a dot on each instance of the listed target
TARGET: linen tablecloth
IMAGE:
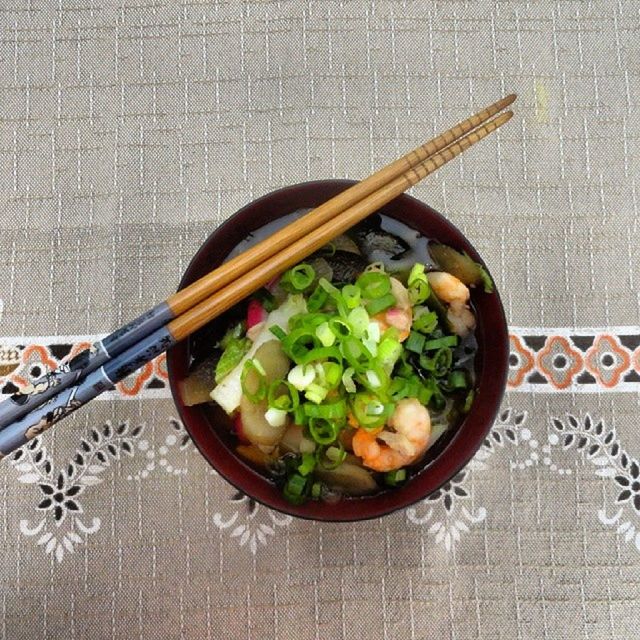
(129, 130)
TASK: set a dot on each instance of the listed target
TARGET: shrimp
(405, 441)
(399, 316)
(456, 294)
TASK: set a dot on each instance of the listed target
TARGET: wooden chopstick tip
(504, 117)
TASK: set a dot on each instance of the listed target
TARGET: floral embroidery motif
(448, 519)
(251, 525)
(607, 360)
(559, 361)
(521, 361)
(600, 446)
(158, 458)
(61, 490)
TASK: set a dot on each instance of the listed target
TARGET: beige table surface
(130, 130)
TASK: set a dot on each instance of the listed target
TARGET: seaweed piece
(346, 266)
(370, 237)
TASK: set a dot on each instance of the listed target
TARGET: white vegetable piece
(228, 393)
(275, 417)
(301, 376)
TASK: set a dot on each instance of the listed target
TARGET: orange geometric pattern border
(540, 360)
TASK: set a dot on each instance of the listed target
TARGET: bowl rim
(381, 504)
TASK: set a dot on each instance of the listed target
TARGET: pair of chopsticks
(49, 399)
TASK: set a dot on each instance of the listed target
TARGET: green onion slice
(323, 431)
(299, 278)
(307, 465)
(438, 343)
(252, 380)
(378, 305)
(374, 284)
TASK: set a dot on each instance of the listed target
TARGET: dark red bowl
(450, 453)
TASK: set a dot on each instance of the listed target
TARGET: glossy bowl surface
(450, 453)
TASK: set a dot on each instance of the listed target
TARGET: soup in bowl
(357, 382)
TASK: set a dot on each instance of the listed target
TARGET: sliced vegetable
(255, 424)
(228, 391)
(461, 266)
(234, 352)
(195, 388)
(348, 478)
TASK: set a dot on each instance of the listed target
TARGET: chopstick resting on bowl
(25, 415)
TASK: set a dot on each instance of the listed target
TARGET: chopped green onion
(439, 364)
(415, 342)
(418, 285)
(278, 332)
(331, 457)
(307, 465)
(374, 284)
(331, 373)
(389, 350)
(425, 321)
(323, 431)
(252, 368)
(329, 411)
(425, 394)
(375, 408)
(373, 332)
(355, 353)
(334, 292)
(371, 347)
(438, 401)
(321, 353)
(416, 273)
(394, 478)
(339, 327)
(358, 318)
(457, 379)
(294, 489)
(324, 333)
(299, 278)
(299, 416)
(351, 295)
(347, 380)
(363, 404)
(374, 379)
(316, 490)
(419, 291)
(283, 395)
(375, 267)
(381, 304)
(317, 299)
(301, 376)
(298, 343)
(446, 341)
(315, 393)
